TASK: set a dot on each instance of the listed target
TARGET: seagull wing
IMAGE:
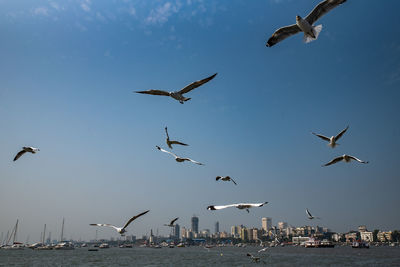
(165, 151)
(177, 143)
(322, 137)
(257, 204)
(196, 84)
(104, 224)
(166, 131)
(153, 92)
(321, 9)
(282, 34)
(308, 213)
(212, 207)
(196, 162)
(359, 160)
(172, 222)
(19, 154)
(233, 181)
(334, 161)
(134, 218)
(341, 133)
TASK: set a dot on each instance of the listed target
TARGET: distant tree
(375, 235)
(395, 235)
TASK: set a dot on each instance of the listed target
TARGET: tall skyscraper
(195, 224)
(282, 225)
(176, 231)
(266, 223)
(216, 227)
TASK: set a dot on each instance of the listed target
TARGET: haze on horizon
(68, 71)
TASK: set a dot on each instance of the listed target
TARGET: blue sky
(68, 70)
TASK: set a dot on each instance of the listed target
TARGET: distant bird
(310, 216)
(305, 25)
(240, 206)
(25, 149)
(333, 139)
(121, 230)
(225, 178)
(253, 258)
(346, 158)
(171, 224)
(170, 143)
(178, 95)
(262, 250)
(177, 158)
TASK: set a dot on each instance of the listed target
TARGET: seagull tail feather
(316, 30)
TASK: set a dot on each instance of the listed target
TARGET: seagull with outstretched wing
(310, 216)
(171, 224)
(346, 158)
(178, 95)
(172, 142)
(120, 230)
(333, 139)
(305, 25)
(177, 158)
(225, 178)
(25, 149)
(240, 206)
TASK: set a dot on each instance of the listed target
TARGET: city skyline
(69, 72)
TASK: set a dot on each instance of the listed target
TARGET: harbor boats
(15, 245)
(63, 245)
(104, 245)
(312, 243)
(359, 244)
(181, 245)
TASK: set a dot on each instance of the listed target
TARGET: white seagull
(171, 142)
(121, 230)
(310, 216)
(171, 224)
(25, 149)
(177, 158)
(240, 206)
(346, 158)
(225, 178)
(178, 95)
(333, 139)
(305, 25)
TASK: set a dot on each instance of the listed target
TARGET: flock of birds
(310, 33)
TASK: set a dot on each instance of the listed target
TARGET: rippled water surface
(199, 256)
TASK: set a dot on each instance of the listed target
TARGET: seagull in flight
(121, 230)
(253, 258)
(178, 95)
(310, 216)
(171, 224)
(171, 142)
(225, 178)
(177, 158)
(240, 206)
(25, 149)
(333, 139)
(305, 25)
(346, 158)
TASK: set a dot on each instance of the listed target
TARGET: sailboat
(64, 245)
(15, 244)
(43, 246)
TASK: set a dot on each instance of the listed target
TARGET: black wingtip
(211, 208)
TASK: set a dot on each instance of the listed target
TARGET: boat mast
(44, 234)
(62, 231)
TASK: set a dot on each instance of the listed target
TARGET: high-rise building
(195, 224)
(282, 225)
(176, 231)
(266, 223)
(216, 227)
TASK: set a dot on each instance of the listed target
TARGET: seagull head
(298, 18)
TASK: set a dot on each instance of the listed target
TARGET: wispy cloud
(85, 5)
(40, 11)
(160, 14)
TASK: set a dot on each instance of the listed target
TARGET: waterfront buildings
(266, 224)
(195, 224)
(216, 227)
